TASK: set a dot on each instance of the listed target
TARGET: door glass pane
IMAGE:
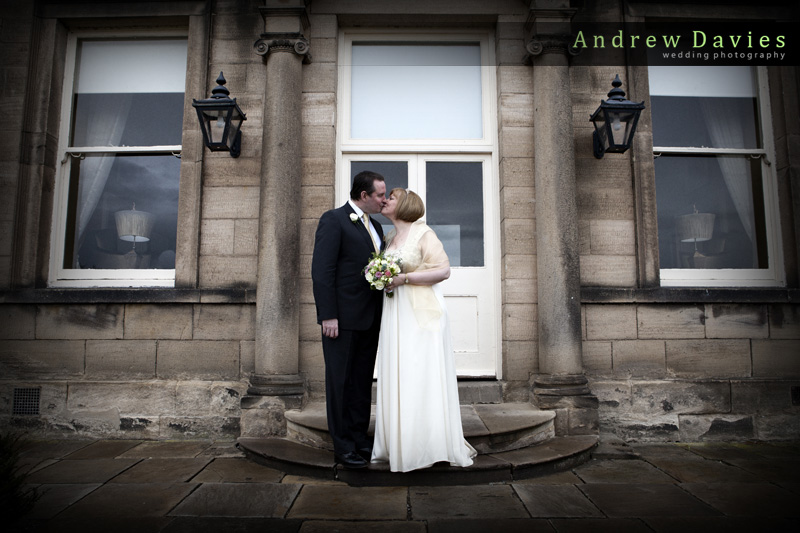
(129, 93)
(416, 91)
(103, 186)
(704, 107)
(729, 229)
(394, 172)
(454, 209)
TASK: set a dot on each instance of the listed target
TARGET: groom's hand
(330, 328)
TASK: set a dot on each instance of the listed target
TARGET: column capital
(550, 44)
(294, 43)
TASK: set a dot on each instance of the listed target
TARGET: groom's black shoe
(365, 453)
(350, 460)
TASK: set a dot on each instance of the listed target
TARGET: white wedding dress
(418, 418)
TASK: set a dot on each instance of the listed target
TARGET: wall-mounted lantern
(615, 122)
(220, 120)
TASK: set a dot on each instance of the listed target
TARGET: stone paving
(144, 486)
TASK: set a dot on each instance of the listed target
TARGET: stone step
(555, 455)
(489, 428)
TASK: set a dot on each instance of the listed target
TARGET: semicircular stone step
(489, 428)
(557, 454)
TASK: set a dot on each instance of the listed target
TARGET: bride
(418, 418)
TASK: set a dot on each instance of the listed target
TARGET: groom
(350, 314)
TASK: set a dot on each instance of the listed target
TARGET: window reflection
(103, 185)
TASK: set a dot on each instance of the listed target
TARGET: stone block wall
(693, 372)
(605, 189)
(515, 101)
(153, 371)
(318, 179)
(228, 255)
(16, 25)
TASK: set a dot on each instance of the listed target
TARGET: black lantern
(615, 122)
(220, 120)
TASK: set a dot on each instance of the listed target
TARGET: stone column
(561, 385)
(284, 49)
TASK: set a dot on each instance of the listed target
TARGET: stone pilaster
(284, 49)
(562, 385)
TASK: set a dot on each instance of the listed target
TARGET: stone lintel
(286, 8)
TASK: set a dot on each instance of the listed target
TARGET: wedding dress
(418, 418)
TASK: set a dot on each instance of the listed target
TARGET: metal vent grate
(26, 401)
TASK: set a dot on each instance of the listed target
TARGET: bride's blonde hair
(410, 207)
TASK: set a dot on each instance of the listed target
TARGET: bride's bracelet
(406, 281)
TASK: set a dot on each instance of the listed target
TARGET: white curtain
(727, 131)
(106, 122)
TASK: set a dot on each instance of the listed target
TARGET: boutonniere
(354, 218)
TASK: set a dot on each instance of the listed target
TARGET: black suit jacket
(342, 249)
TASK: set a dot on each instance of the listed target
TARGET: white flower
(353, 218)
(380, 285)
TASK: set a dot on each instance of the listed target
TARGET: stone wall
(515, 101)
(127, 370)
(695, 372)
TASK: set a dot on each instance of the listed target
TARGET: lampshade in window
(696, 227)
(134, 226)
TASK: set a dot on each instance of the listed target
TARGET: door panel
(459, 210)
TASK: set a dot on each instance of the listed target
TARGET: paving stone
(55, 498)
(223, 449)
(481, 501)
(559, 478)
(698, 470)
(621, 471)
(236, 470)
(721, 451)
(721, 523)
(162, 471)
(355, 503)
(167, 450)
(602, 525)
(105, 523)
(267, 500)
(513, 525)
(636, 500)
(81, 471)
(745, 499)
(769, 470)
(307, 480)
(29, 465)
(779, 450)
(325, 526)
(193, 524)
(117, 500)
(563, 501)
(104, 449)
(51, 449)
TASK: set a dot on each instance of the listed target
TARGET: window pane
(727, 187)
(102, 186)
(129, 93)
(455, 210)
(394, 172)
(712, 107)
(416, 91)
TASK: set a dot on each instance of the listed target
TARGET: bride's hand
(397, 281)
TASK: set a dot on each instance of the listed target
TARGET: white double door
(460, 204)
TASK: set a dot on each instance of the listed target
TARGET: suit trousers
(349, 367)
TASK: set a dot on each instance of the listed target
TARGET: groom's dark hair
(364, 182)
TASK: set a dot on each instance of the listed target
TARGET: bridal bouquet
(380, 271)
